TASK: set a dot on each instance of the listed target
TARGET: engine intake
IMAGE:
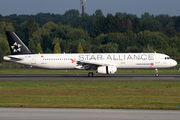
(107, 69)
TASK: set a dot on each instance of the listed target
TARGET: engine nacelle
(107, 69)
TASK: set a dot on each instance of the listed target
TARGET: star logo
(73, 60)
(16, 47)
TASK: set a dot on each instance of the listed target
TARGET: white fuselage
(120, 60)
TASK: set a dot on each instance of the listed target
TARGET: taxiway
(86, 78)
(86, 114)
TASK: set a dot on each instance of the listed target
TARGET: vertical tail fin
(16, 45)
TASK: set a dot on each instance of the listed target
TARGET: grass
(78, 72)
(91, 94)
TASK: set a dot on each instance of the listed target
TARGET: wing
(88, 65)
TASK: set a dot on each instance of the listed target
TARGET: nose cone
(174, 63)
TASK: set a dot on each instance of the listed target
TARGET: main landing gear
(157, 75)
(90, 74)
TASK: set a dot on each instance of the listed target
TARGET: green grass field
(91, 94)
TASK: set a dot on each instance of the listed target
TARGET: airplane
(102, 63)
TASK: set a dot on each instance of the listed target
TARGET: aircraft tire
(157, 75)
(90, 74)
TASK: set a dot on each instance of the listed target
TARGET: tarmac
(86, 78)
(86, 114)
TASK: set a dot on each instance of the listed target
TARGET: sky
(136, 7)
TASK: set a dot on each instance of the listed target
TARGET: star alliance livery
(103, 63)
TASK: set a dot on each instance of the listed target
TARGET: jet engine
(107, 69)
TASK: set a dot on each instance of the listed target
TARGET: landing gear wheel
(90, 74)
(157, 75)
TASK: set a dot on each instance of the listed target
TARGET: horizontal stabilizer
(12, 58)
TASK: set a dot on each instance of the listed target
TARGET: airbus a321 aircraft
(103, 63)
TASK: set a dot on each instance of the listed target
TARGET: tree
(73, 46)
(177, 24)
(174, 53)
(119, 38)
(149, 49)
(48, 26)
(131, 49)
(101, 39)
(86, 23)
(57, 48)
(136, 25)
(165, 19)
(32, 47)
(80, 49)
(65, 46)
(5, 26)
(109, 48)
(146, 15)
(1, 57)
(31, 26)
(151, 24)
(76, 34)
(60, 32)
(22, 32)
(39, 49)
(98, 12)
(129, 25)
(96, 48)
(120, 24)
(70, 15)
(37, 36)
(153, 39)
(98, 27)
(48, 51)
(169, 30)
(4, 47)
(46, 42)
(131, 38)
(110, 24)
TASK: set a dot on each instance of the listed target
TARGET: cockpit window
(167, 58)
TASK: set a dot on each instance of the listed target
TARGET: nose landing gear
(90, 74)
(157, 75)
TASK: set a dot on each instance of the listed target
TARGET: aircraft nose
(174, 63)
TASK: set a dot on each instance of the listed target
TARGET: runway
(86, 114)
(86, 78)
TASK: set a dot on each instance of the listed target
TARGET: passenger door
(33, 60)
